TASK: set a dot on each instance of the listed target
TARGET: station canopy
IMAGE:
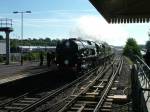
(123, 11)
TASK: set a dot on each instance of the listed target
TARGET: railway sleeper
(107, 105)
(109, 99)
(120, 98)
(117, 97)
(92, 89)
(105, 110)
(34, 99)
(114, 88)
(91, 105)
(93, 93)
(71, 97)
(13, 107)
(27, 101)
(82, 88)
(99, 87)
(83, 110)
(87, 102)
(116, 81)
(89, 98)
(20, 104)
(103, 80)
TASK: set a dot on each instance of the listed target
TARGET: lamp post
(21, 12)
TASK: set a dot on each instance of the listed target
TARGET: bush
(1, 59)
(31, 56)
(131, 48)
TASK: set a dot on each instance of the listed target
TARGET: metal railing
(5, 23)
(141, 85)
(144, 76)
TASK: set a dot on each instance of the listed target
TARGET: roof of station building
(123, 11)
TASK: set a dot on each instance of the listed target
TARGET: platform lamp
(21, 12)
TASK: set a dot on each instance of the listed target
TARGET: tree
(131, 48)
(147, 45)
(1, 37)
(14, 43)
(147, 55)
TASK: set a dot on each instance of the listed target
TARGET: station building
(26, 49)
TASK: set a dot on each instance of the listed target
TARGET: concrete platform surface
(15, 71)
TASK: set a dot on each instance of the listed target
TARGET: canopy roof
(123, 11)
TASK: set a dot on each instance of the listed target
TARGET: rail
(93, 95)
(103, 97)
(32, 101)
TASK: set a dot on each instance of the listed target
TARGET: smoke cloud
(97, 29)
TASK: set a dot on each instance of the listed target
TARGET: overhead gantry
(6, 26)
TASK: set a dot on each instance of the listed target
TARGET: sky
(59, 19)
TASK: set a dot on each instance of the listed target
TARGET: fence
(140, 77)
(5, 23)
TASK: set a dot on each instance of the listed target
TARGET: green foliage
(34, 42)
(1, 59)
(131, 48)
(142, 46)
(147, 45)
(1, 37)
(14, 43)
(31, 56)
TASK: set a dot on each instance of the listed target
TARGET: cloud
(46, 22)
(96, 28)
(65, 11)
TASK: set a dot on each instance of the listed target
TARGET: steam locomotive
(79, 54)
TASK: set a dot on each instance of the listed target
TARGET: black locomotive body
(78, 54)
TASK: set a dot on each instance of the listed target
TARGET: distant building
(26, 49)
(2, 47)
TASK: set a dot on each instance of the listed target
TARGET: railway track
(94, 96)
(59, 102)
(29, 101)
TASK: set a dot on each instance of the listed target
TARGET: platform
(15, 71)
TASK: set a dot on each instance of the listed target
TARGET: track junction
(93, 91)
